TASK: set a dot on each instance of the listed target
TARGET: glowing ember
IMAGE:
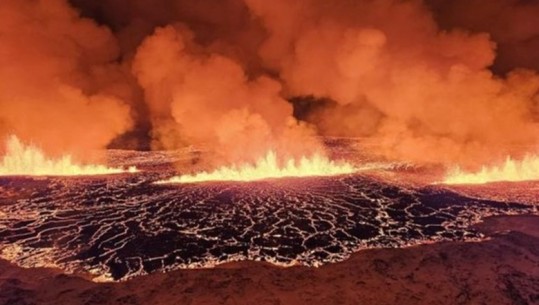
(268, 167)
(512, 170)
(29, 160)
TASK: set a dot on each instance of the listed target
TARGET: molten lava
(28, 160)
(269, 167)
(511, 170)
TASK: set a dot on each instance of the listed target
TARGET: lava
(269, 167)
(29, 160)
(511, 170)
(128, 227)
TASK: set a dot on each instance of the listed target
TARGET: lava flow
(28, 160)
(268, 167)
(511, 170)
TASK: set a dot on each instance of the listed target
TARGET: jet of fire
(28, 160)
(268, 167)
(511, 170)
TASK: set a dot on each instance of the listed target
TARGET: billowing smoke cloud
(513, 24)
(420, 93)
(224, 26)
(59, 87)
(200, 97)
(420, 79)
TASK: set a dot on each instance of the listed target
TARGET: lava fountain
(268, 167)
(511, 170)
(29, 160)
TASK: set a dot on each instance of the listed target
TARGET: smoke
(418, 92)
(59, 85)
(513, 24)
(224, 26)
(197, 96)
(425, 81)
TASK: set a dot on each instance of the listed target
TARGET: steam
(419, 79)
(55, 70)
(200, 97)
(513, 24)
(420, 93)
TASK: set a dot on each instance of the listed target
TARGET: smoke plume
(419, 92)
(196, 96)
(450, 82)
(513, 24)
(58, 81)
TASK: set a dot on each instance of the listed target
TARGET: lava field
(119, 226)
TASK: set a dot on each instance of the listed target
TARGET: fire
(511, 170)
(28, 160)
(268, 167)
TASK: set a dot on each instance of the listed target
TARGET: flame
(268, 167)
(511, 170)
(29, 160)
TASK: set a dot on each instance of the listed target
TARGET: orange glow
(511, 170)
(269, 167)
(28, 160)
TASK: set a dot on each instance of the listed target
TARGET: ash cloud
(426, 81)
(196, 96)
(513, 24)
(59, 85)
(419, 92)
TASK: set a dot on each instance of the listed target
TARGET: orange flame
(28, 160)
(511, 170)
(268, 167)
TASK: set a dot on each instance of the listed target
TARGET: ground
(503, 269)
(388, 235)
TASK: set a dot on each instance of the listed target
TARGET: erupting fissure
(269, 167)
(511, 170)
(28, 160)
